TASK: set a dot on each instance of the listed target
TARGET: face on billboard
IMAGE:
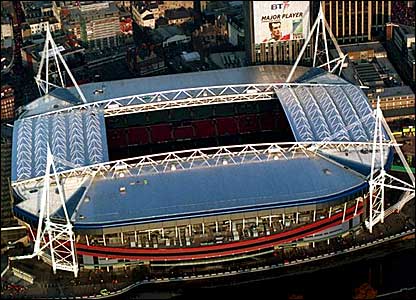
(280, 20)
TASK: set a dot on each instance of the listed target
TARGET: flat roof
(135, 86)
(242, 75)
(216, 190)
(376, 46)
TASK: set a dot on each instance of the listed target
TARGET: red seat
(227, 126)
(267, 121)
(116, 138)
(247, 123)
(161, 133)
(203, 128)
(184, 132)
(138, 136)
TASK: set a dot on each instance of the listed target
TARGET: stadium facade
(198, 168)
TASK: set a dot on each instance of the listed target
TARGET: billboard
(280, 20)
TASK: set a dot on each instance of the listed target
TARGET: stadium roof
(208, 191)
(100, 91)
(323, 107)
(327, 113)
(76, 138)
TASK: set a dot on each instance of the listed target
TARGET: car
(104, 292)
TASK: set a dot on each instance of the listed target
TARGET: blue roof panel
(213, 190)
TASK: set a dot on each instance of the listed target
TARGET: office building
(356, 21)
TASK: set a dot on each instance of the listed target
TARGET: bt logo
(283, 5)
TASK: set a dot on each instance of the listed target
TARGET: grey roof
(161, 34)
(135, 86)
(65, 95)
(215, 190)
(245, 75)
(76, 138)
(376, 46)
(397, 91)
(321, 113)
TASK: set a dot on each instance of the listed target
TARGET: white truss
(206, 157)
(195, 97)
(55, 242)
(379, 179)
(45, 85)
(319, 29)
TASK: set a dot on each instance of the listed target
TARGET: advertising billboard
(280, 20)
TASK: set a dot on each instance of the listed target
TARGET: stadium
(203, 168)
(196, 169)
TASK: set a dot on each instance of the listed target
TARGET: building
(178, 16)
(124, 4)
(350, 22)
(39, 25)
(143, 17)
(368, 65)
(167, 5)
(70, 49)
(6, 200)
(11, 233)
(146, 14)
(157, 201)
(100, 24)
(190, 62)
(145, 62)
(7, 103)
(236, 31)
(403, 13)
(96, 24)
(6, 30)
(170, 37)
(210, 35)
(126, 26)
(38, 14)
(37, 9)
(401, 47)
(264, 48)
(224, 60)
(356, 21)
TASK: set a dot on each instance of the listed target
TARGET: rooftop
(206, 191)
(162, 33)
(180, 13)
(376, 46)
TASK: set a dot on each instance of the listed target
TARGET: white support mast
(379, 179)
(50, 50)
(58, 238)
(319, 28)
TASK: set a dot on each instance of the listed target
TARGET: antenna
(319, 28)
(57, 237)
(379, 176)
(50, 49)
